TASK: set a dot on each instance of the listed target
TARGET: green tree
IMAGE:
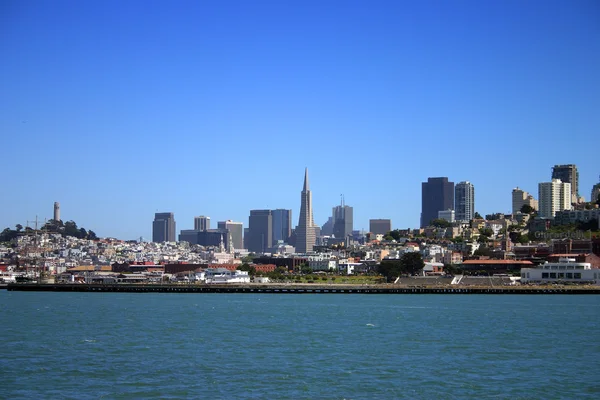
(527, 209)
(412, 262)
(19, 227)
(390, 269)
(477, 215)
(440, 223)
(251, 269)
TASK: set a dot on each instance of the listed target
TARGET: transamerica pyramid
(305, 231)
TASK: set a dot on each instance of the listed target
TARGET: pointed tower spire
(305, 231)
(306, 187)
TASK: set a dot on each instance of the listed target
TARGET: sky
(120, 109)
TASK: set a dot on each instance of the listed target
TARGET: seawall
(297, 289)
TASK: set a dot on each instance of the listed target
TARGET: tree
(19, 227)
(440, 223)
(390, 269)
(92, 235)
(527, 209)
(409, 263)
(477, 215)
(251, 269)
(412, 262)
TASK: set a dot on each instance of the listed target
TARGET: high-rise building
(521, 198)
(327, 228)
(235, 230)
(208, 237)
(305, 231)
(56, 211)
(568, 174)
(380, 226)
(282, 225)
(437, 194)
(595, 192)
(343, 221)
(163, 227)
(260, 231)
(201, 223)
(464, 201)
(554, 196)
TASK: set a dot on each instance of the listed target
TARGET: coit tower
(56, 211)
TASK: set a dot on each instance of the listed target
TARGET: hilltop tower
(305, 231)
(56, 211)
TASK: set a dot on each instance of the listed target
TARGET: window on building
(569, 275)
(552, 275)
(577, 275)
(544, 275)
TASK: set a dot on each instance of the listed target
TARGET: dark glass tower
(437, 194)
(163, 227)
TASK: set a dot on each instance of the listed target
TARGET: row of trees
(68, 228)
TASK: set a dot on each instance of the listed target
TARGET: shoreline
(300, 288)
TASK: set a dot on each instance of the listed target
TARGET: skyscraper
(380, 226)
(437, 194)
(554, 196)
(305, 231)
(282, 225)
(343, 221)
(56, 211)
(235, 230)
(260, 231)
(568, 174)
(464, 201)
(163, 227)
(201, 223)
(595, 192)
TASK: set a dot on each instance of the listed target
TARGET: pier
(296, 289)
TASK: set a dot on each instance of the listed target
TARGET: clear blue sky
(119, 109)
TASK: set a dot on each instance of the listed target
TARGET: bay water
(291, 346)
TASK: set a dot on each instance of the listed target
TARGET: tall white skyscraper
(554, 196)
(464, 201)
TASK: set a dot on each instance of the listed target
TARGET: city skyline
(100, 89)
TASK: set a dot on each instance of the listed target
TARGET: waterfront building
(464, 201)
(568, 174)
(565, 270)
(202, 223)
(56, 211)
(554, 196)
(520, 198)
(437, 194)
(282, 225)
(305, 231)
(343, 221)
(260, 231)
(163, 227)
(380, 226)
(235, 230)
